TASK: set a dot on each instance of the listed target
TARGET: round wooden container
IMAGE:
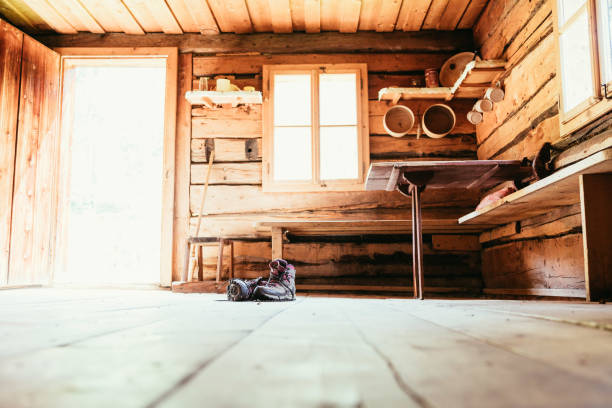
(438, 121)
(398, 120)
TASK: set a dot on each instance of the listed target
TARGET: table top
(458, 174)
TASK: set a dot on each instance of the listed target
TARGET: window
(585, 54)
(315, 131)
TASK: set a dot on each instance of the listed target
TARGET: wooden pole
(193, 263)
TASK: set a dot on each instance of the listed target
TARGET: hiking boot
(280, 285)
(239, 289)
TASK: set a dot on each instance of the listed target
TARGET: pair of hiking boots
(279, 286)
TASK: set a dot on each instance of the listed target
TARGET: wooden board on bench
(559, 189)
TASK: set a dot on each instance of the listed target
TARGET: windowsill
(584, 117)
(311, 188)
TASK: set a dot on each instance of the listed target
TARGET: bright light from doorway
(116, 174)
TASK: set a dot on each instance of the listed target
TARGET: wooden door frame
(170, 54)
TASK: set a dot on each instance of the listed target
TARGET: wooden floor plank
(68, 347)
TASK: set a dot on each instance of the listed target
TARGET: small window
(585, 60)
(315, 132)
(605, 41)
(575, 51)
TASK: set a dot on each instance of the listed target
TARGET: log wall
(29, 139)
(543, 252)
(235, 200)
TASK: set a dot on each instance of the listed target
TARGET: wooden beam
(595, 198)
(182, 166)
(296, 43)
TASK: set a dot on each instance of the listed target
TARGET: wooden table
(411, 178)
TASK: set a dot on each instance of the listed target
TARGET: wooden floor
(126, 348)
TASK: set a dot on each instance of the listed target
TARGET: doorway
(113, 115)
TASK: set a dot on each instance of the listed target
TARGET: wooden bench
(588, 183)
(278, 231)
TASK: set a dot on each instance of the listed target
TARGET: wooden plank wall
(542, 252)
(235, 201)
(11, 42)
(34, 193)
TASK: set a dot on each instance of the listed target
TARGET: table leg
(416, 193)
(415, 272)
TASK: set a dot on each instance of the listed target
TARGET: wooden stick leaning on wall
(193, 260)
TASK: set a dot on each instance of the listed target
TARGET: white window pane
(339, 153)
(292, 100)
(567, 8)
(576, 63)
(338, 99)
(292, 153)
(605, 14)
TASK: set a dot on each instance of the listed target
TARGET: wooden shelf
(477, 76)
(212, 98)
(557, 190)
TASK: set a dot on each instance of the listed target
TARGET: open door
(28, 218)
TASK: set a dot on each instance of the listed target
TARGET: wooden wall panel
(545, 251)
(353, 263)
(182, 166)
(37, 146)
(520, 31)
(11, 41)
(235, 202)
(554, 263)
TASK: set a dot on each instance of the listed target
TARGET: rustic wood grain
(11, 41)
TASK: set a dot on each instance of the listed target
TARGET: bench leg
(277, 242)
(231, 259)
(220, 259)
(186, 266)
(595, 197)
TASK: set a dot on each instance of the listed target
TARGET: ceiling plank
(434, 14)
(200, 13)
(259, 10)
(330, 15)
(350, 12)
(388, 15)
(77, 15)
(113, 16)
(297, 15)
(232, 15)
(298, 43)
(141, 12)
(22, 16)
(280, 11)
(312, 16)
(473, 11)
(369, 14)
(183, 16)
(412, 15)
(164, 17)
(51, 16)
(453, 13)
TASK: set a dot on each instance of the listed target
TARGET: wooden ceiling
(239, 16)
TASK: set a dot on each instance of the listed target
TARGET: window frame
(315, 184)
(596, 105)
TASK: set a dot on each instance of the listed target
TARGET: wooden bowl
(398, 120)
